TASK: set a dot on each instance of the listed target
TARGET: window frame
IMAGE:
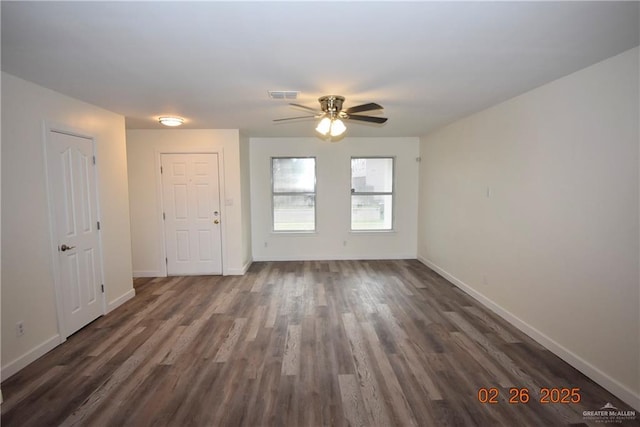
(392, 193)
(295, 193)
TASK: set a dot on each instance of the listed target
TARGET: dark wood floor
(375, 343)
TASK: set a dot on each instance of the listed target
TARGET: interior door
(191, 203)
(72, 182)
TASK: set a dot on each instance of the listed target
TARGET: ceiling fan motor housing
(331, 104)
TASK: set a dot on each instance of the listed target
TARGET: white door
(191, 199)
(72, 182)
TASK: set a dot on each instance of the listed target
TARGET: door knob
(64, 247)
(216, 221)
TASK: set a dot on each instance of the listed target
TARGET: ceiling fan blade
(367, 118)
(364, 107)
(306, 108)
(293, 118)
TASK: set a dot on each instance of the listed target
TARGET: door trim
(47, 128)
(160, 203)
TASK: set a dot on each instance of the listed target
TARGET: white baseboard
(615, 387)
(332, 257)
(148, 273)
(246, 265)
(239, 271)
(30, 356)
(121, 300)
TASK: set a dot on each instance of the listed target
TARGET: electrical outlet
(20, 328)
(266, 244)
(344, 243)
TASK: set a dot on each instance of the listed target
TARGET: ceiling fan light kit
(333, 115)
(333, 127)
(337, 127)
(324, 126)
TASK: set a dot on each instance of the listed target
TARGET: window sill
(392, 231)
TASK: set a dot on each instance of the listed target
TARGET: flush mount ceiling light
(171, 121)
(333, 115)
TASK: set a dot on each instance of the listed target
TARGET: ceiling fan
(332, 114)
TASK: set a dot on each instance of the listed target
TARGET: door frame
(160, 203)
(47, 128)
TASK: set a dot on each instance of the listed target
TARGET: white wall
(333, 201)
(1, 396)
(143, 151)
(27, 275)
(555, 246)
(245, 187)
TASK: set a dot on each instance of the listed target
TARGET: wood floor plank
(297, 343)
(354, 410)
(224, 353)
(291, 359)
(321, 298)
(272, 312)
(399, 405)
(369, 385)
(256, 319)
(421, 406)
(420, 370)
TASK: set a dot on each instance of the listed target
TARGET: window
(294, 193)
(371, 193)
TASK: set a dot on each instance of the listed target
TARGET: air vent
(283, 94)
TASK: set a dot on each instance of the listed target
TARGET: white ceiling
(427, 63)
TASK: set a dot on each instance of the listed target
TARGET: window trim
(373, 193)
(295, 193)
